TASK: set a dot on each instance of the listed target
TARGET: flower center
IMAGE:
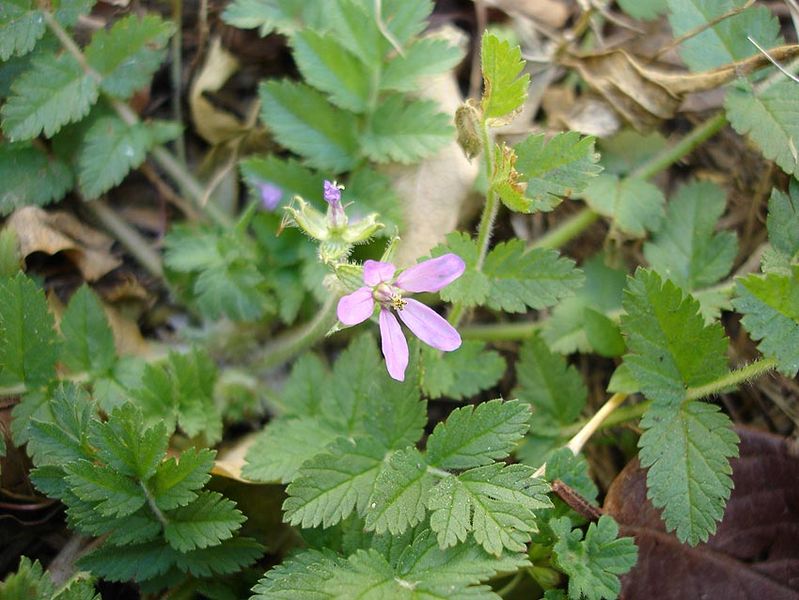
(389, 296)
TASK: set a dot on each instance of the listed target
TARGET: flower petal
(432, 275)
(394, 345)
(375, 272)
(356, 307)
(429, 326)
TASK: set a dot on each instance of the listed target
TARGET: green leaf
(566, 331)
(670, 347)
(405, 131)
(302, 120)
(494, 502)
(234, 289)
(573, 470)
(505, 88)
(646, 10)
(687, 451)
(228, 557)
(63, 437)
(285, 16)
(28, 176)
(286, 173)
(206, 521)
(522, 279)
(554, 169)
(28, 346)
(53, 92)
(29, 582)
(398, 499)
(176, 481)
(475, 436)
(687, 249)
(88, 340)
(284, 445)
(726, 41)
(300, 396)
(110, 149)
(783, 228)
(21, 26)
(472, 287)
(634, 205)
(603, 334)
(593, 564)
(426, 56)
(554, 390)
(137, 562)
(770, 307)
(128, 54)
(114, 494)
(770, 118)
(328, 66)
(462, 373)
(330, 486)
(9, 252)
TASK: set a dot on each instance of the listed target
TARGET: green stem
(579, 222)
(511, 585)
(189, 186)
(635, 411)
(293, 342)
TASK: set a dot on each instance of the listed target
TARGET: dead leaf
(433, 191)
(645, 95)
(230, 459)
(214, 124)
(754, 554)
(53, 232)
(552, 13)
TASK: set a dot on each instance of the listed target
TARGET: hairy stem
(579, 222)
(189, 186)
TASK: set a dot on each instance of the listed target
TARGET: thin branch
(765, 53)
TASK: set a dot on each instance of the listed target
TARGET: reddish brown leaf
(753, 555)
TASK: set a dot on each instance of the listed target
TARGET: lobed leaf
(634, 205)
(462, 373)
(505, 87)
(206, 521)
(176, 480)
(783, 229)
(426, 56)
(21, 26)
(88, 340)
(397, 502)
(28, 176)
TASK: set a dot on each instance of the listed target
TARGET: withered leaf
(754, 555)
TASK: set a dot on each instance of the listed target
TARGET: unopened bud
(467, 122)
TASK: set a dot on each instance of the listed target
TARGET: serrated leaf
(398, 499)
(88, 340)
(565, 331)
(554, 169)
(328, 66)
(644, 9)
(28, 177)
(634, 205)
(330, 486)
(228, 557)
(284, 445)
(53, 92)
(595, 563)
(687, 249)
(128, 54)
(426, 56)
(137, 562)
(115, 495)
(21, 26)
(770, 117)
(505, 87)
(783, 224)
(462, 373)
(521, 279)
(770, 308)
(28, 347)
(206, 521)
(687, 451)
(670, 347)
(726, 41)
(109, 151)
(303, 121)
(62, 438)
(176, 481)
(234, 290)
(494, 502)
(554, 390)
(405, 131)
(473, 436)
(29, 582)
(269, 15)
(572, 469)
(472, 287)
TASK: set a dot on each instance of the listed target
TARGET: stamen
(397, 302)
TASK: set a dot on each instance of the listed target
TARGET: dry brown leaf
(230, 459)
(433, 191)
(553, 13)
(645, 95)
(212, 123)
(754, 554)
(53, 232)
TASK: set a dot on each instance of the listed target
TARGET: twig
(176, 75)
(575, 501)
(772, 61)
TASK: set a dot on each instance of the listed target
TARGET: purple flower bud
(270, 195)
(333, 193)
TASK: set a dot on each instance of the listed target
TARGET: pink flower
(382, 288)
